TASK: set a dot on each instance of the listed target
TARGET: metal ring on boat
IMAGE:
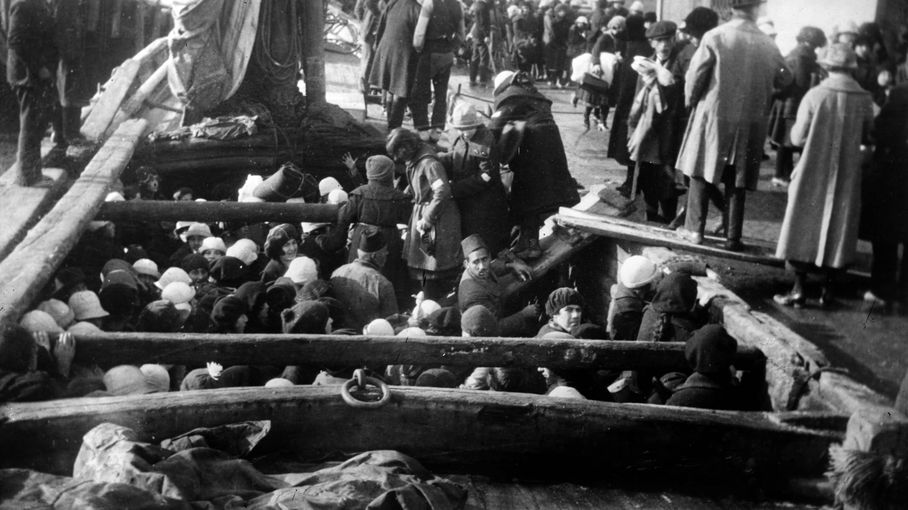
(361, 380)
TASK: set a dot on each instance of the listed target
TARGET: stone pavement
(868, 342)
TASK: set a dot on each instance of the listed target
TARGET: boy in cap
(359, 285)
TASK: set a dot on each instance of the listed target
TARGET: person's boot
(527, 245)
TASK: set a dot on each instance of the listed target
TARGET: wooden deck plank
(24, 206)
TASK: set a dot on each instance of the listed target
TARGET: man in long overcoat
(729, 86)
(394, 62)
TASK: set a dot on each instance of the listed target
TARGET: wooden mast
(312, 18)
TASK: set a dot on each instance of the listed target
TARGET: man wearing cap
(439, 31)
(565, 310)
(654, 122)
(376, 205)
(473, 164)
(479, 285)
(729, 86)
(365, 293)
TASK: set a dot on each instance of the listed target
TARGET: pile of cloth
(203, 469)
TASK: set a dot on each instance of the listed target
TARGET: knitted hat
(327, 185)
(180, 294)
(307, 317)
(213, 243)
(710, 350)
(156, 377)
(159, 316)
(281, 294)
(60, 311)
(16, 348)
(338, 196)
(479, 321)
(192, 262)
(372, 240)
(86, 305)
(36, 320)
(437, 378)
(661, 29)
(465, 116)
(126, 380)
(637, 271)
(701, 20)
(228, 271)
(146, 267)
(84, 328)
(172, 274)
(228, 309)
(380, 168)
(472, 243)
(244, 249)
(197, 230)
(277, 238)
(379, 327)
(839, 56)
(302, 270)
(559, 298)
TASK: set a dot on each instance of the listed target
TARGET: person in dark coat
(394, 63)
(565, 310)
(480, 34)
(71, 79)
(473, 164)
(359, 285)
(432, 247)
(637, 280)
(555, 40)
(30, 371)
(802, 61)
(368, 12)
(673, 315)
(710, 352)
(885, 207)
(624, 89)
(439, 31)
(31, 65)
(535, 153)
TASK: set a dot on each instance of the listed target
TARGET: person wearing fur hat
(365, 293)
(710, 352)
(535, 154)
(473, 164)
(637, 280)
(565, 310)
(281, 246)
(432, 247)
(377, 204)
(806, 72)
(30, 369)
(479, 285)
(729, 86)
(824, 200)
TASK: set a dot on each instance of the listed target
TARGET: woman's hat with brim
(839, 56)
(465, 116)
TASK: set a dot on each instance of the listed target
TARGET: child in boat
(710, 352)
(637, 280)
(30, 369)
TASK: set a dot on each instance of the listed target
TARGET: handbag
(594, 84)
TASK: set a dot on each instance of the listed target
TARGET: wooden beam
(312, 19)
(32, 264)
(24, 206)
(650, 235)
(474, 430)
(141, 210)
(339, 350)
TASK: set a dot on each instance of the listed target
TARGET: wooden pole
(341, 350)
(143, 210)
(32, 264)
(474, 430)
(312, 17)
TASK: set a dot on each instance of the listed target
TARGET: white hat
(84, 328)
(180, 227)
(279, 382)
(428, 307)
(327, 185)
(146, 267)
(172, 274)
(412, 331)
(302, 270)
(637, 7)
(114, 196)
(180, 294)
(307, 227)
(36, 320)
(379, 327)
(501, 78)
(244, 249)
(196, 230)
(213, 243)
(126, 380)
(581, 20)
(337, 196)
(60, 311)
(637, 271)
(156, 377)
(86, 305)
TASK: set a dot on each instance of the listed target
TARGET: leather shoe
(691, 237)
(790, 299)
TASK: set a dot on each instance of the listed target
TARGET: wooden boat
(516, 450)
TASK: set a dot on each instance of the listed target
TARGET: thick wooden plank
(654, 236)
(24, 206)
(216, 211)
(103, 112)
(135, 103)
(32, 264)
(340, 350)
(477, 430)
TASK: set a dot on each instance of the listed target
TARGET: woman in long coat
(824, 200)
(394, 61)
(432, 247)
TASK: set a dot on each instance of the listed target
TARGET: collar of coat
(842, 83)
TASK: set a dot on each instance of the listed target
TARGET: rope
(276, 71)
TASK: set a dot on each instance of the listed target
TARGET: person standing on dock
(729, 87)
(31, 65)
(439, 31)
(394, 62)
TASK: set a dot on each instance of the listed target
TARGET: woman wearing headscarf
(281, 246)
(710, 352)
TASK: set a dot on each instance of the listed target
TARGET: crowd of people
(693, 107)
